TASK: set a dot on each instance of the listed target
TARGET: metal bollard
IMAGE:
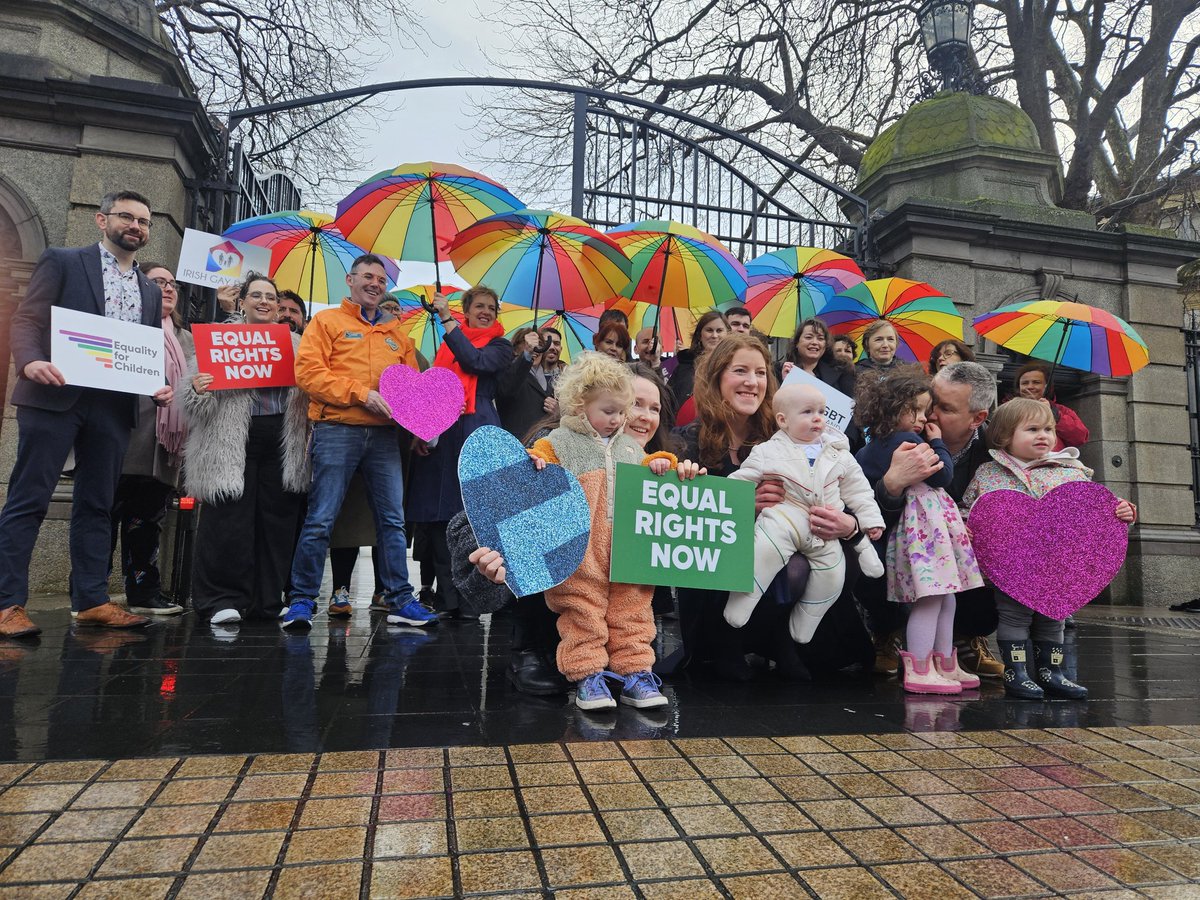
(181, 558)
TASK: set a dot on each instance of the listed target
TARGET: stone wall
(92, 100)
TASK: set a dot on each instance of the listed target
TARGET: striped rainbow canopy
(309, 255)
(426, 331)
(576, 326)
(1074, 335)
(414, 211)
(922, 316)
(787, 286)
(541, 259)
(414, 297)
(678, 265)
(674, 324)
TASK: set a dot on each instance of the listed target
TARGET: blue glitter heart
(539, 521)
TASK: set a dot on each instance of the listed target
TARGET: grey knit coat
(218, 427)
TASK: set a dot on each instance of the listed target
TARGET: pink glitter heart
(426, 403)
(1053, 555)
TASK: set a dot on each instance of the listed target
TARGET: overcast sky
(435, 124)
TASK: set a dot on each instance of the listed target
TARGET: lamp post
(946, 31)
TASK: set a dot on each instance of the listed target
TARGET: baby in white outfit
(817, 469)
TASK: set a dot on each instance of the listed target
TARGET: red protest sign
(245, 356)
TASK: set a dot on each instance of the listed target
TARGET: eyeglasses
(165, 283)
(259, 295)
(130, 218)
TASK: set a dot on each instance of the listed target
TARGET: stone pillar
(968, 207)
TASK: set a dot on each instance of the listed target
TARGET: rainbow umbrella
(1074, 335)
(576, 326)
(672, 325)
(787, 286)
(419, 297)
(541, 259)
(414, 211)
(679, 266)
(309, 255)
(427, 331)
(921, 315)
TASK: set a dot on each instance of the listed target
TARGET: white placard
(98, 352)
(839, 408)
(214, 261)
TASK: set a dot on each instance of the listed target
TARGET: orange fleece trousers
(602, 624)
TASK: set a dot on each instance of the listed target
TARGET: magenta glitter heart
(426, 403)
(1055, 554)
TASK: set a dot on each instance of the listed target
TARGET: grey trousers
(1019, 622)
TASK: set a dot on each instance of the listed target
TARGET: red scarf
(479, 337)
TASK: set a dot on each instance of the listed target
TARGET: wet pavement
(363, 760)
(180, 688)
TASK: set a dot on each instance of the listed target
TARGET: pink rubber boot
(920, 676)
(950, 669)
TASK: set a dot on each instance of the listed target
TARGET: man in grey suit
(54, 417)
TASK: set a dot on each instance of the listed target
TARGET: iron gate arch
(800, 208)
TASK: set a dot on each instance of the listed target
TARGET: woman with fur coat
(245, 460)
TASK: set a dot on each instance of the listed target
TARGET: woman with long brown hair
(734, 388)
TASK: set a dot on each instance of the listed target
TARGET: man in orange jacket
(341, 356)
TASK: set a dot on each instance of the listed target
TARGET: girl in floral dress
(929, 556)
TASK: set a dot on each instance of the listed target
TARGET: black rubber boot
(1017, 683)
(1049, 656)
(530, 673)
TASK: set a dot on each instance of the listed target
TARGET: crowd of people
(862, 556)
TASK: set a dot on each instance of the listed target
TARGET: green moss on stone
(950, 121)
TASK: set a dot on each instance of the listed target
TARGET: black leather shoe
(529, 673)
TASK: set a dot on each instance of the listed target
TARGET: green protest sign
(697, 534)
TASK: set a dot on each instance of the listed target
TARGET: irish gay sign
(98, 352)
(213, 261)
(245, 356)
(697, 533)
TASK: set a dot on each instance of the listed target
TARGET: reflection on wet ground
(180, 688)
(362, 760)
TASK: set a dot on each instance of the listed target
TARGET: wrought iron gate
(633, 159)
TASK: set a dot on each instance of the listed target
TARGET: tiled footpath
(1095, 812)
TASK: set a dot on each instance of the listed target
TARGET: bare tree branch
(243, 53)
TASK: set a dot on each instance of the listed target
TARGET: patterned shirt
(122, 294)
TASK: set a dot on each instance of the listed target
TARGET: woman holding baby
(734, 390)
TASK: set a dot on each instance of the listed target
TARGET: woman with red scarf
(477, 353)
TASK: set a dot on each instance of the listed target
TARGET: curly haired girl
(929, 556)
(603, 626)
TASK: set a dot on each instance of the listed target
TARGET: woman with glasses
(246, 462)
(150, 473)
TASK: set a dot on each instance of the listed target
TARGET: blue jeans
(337, 452)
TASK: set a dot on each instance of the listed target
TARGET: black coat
(683, 378)
(72, 279)
(520, 400)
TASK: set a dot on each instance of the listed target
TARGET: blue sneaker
(340, 606)
(593, 693)
(411, 613)
(642, 690)
(299, 614)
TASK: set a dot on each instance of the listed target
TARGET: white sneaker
(226, 617)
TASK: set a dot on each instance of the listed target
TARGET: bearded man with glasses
(53, 417)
